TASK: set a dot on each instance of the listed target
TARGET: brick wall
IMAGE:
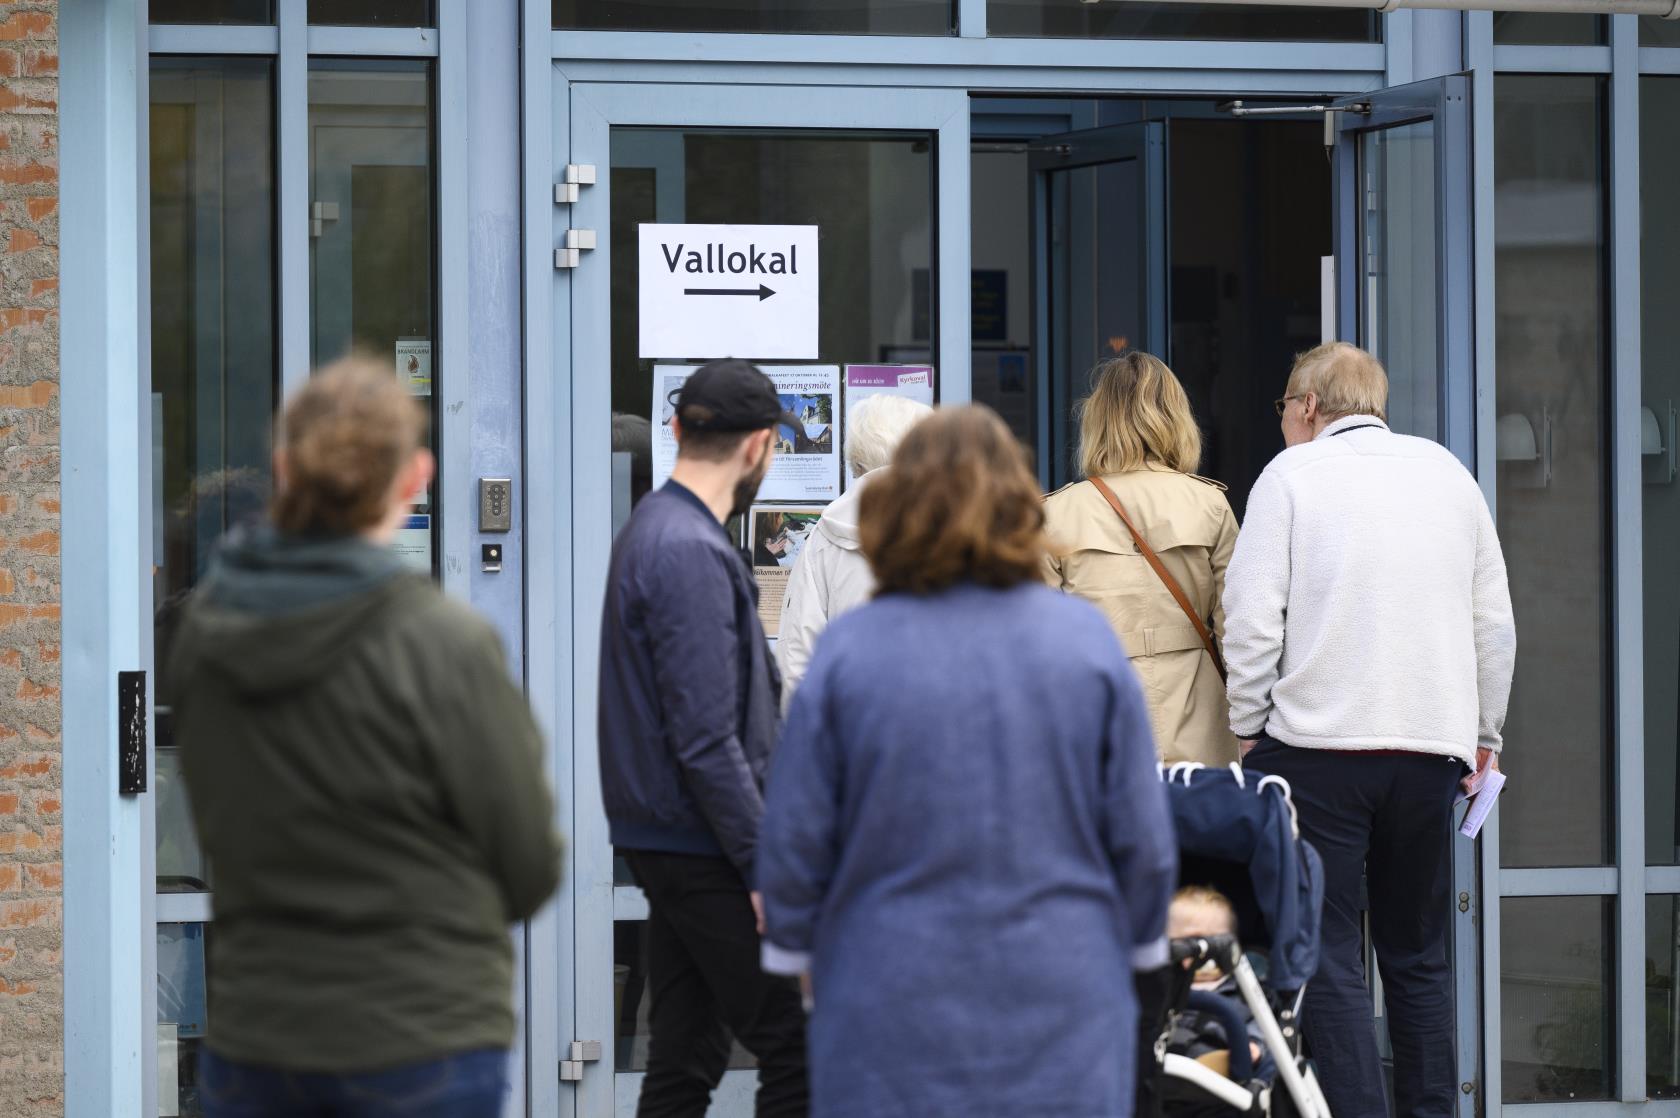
(31, 924)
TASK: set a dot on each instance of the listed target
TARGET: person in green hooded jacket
(367, 783)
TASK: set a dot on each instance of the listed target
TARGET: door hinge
(582, 1052)
(574, 176)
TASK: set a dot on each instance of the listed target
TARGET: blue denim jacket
(689, 693)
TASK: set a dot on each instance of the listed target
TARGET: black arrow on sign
(761, 291)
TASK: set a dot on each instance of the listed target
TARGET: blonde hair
(1200, 896)
(345, 436)
(1137, 412)
(1346, 380)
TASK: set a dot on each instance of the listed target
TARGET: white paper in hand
(1485, 792)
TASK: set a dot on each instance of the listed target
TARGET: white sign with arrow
(747, 291)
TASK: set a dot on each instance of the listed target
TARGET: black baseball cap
(729, 395)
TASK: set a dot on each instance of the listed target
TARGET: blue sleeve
(696, 659)
(801, 841)
(1141, 841)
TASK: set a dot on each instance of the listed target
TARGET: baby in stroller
(1203, 1031)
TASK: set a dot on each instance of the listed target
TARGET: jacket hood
(840, 519)
(273, 614)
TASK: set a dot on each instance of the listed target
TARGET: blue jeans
(466, 1085)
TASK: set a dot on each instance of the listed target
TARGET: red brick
(39, 63)
(11, 877)
(44, 803)
(28, 914)
(28, 25)
(38, 543)
(31, 692)
(42, 286)
(16, 990)
(13, 317)
(48, 653)
(10, 657)
(41, 207)
(16, 99)
(22, 240)
(8, 585)
(37, 395)
(44, 876)
(37, 765)
(11, 63)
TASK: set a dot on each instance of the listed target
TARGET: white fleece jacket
(830, 577)
(1366, 605)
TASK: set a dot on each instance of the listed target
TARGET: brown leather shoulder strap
(1161, 571)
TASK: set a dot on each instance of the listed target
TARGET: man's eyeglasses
(1283, 402)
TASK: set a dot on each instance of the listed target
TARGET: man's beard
(747, 488)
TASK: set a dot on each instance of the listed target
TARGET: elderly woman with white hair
(831, 575)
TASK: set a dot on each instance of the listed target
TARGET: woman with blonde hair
(1147, 541)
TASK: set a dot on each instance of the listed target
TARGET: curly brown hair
(345, 435)
(958, 504)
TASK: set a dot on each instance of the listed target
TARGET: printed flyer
(914, 382)
(807, 462)
(776, 536)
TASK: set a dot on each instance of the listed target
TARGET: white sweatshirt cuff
(779, 960)
(1148, 956)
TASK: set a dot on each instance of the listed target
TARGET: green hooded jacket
(367, 784)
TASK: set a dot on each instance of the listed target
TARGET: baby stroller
(1237, 833)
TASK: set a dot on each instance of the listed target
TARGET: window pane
(1659, 169)
(1654, 31)
(1550, 28)
(1398, 294)
(211, 11)
(213, 354)
(1662, 997)
(1127, 20)
(631, 1001)
(373, 216)
(857, 17)
(386, 13)
(183, 1021)
(1551, 388)
(1557, 1006)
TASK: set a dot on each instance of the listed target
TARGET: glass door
(863, 177)
(1099, 226)
(1403, 266)
(1403, 249)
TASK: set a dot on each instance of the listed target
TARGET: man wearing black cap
(688, 717)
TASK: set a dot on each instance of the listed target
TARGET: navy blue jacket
(689, 694)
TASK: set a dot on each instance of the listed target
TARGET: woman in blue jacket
(966, 847)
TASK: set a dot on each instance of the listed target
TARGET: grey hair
(874, 426)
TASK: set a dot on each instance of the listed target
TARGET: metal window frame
(476, 396)
(583, 297)
(1629, 880)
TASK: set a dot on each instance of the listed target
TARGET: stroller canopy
(1237, 833)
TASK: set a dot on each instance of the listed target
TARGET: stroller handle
(1197, 950)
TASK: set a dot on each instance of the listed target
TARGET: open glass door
(1404, 273)
(1100, 250)
(1403, 250)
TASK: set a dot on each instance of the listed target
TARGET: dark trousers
(705, 984)
(1385, 818)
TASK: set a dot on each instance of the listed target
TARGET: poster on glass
(776, 535)
(807, 462)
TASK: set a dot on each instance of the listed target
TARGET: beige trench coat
(1189, 524)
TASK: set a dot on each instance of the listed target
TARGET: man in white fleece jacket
(1370, 645)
